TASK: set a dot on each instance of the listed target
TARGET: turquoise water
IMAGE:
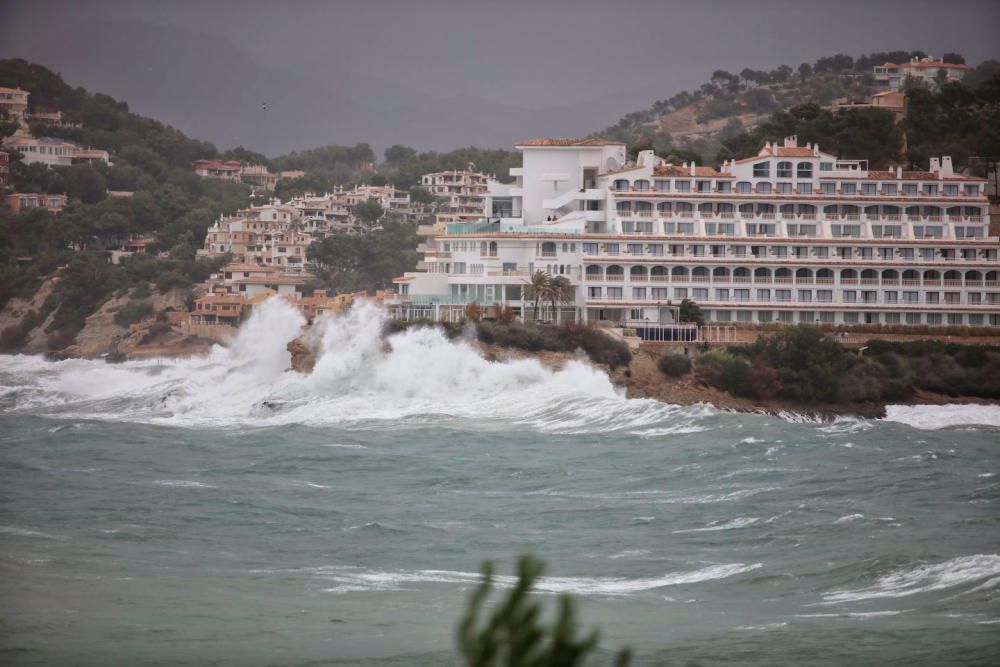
(217, 511)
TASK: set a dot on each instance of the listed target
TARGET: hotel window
(611, 249)
(764, 188)
(954, 318)
(889, 189)
(659, 293)
(909, 188)
(892, 318)
(621, 185)
(634, 248)
(589, 248)
(869, 189)
(723, 316)
(930, 189)
(641, 186)
(848, 188)
(763, 295)
(615, 293)
(933, 318)
(680, 293)
(682, 186)
(785, 315)
(784, 188)
(704, 186)
(594, 292)
(718, 251)
(824, 295)
(850, 296)
(743, 187)
(850, 318)
(783, 294)
(639, 293)
(805, 295)
(975, 320)
(804, 170)
(741, 294)
(685, 228)
(972, 190)
(826, 166)
(913, 318)
(762, 170)
(656, 250)
(784, 170)
(951, 189)
(828, 188)
(699, 294)
(725, 187)
(459, 267)
(663, 186)
(805, 187)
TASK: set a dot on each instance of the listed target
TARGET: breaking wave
(982, 569)
(348, 579)
(416, 377)
(932, 417)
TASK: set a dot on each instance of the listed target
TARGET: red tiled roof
(595, 141)
(797, 151)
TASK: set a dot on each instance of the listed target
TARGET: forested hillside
(730, 113)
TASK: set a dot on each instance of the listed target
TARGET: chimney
(692, 167)
(935, 167)
(816, 149)
(899, 172)
(645, 158)
(792, 141)
(946, 167)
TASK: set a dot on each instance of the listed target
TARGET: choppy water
(223, 511)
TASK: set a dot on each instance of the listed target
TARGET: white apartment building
(388, 197)
(926, 70)
(793, 234)
(321, 214)
(462, 194)
(267, 236)
(52, 151)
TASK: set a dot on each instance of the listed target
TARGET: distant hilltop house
(257, 175)
(927, 70)
(53, 151)
(23, 201)
(890, 100)
(50, 151)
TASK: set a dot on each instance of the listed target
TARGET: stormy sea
(224, 510)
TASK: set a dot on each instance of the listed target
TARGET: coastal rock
(303, 356)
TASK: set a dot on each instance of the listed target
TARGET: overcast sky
(448, 73)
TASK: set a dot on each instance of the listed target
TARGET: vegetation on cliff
(802, 364)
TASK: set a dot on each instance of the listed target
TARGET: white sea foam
(182, 484)
(849, 518)
(932, 417)
(741, 522)
(961, 571)
(26, 532)
(417, 376)
(357, 579)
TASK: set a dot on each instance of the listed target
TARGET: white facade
(791, 235)
(462, 194)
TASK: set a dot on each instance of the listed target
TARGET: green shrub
(674, 365)
(723, 370)
(601, 347)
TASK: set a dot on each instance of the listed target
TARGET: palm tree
(560, 290)
(536, 288)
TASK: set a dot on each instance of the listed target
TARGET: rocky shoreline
(643, 379)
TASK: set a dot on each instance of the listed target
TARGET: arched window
(593, 270)
(784, 170)
(621, 185)
(641, 185)
(548, 248)
(805, 170)
(764, 187)
(615, 270)
(744, 187)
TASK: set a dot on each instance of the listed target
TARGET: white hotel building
(791, 235)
